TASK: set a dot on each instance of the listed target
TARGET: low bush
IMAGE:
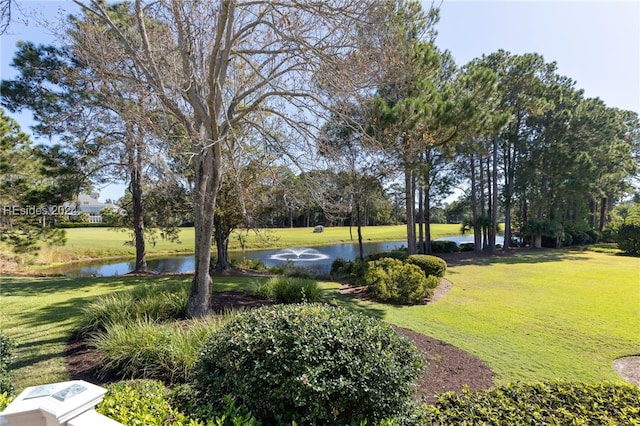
(392, 280)
(400, 254)
(288, 270)
(466, 247)
(556, 403)
(150, 403)
(431, 265)
(431, 283)
(7, 345)
(312, 364)
(140, 403)
(186, 398)
(340, 267)
(142, 349)
(244, 263)
(5, 399)
(153, 302)
(289, 290)
(444, 247)
(628, 237)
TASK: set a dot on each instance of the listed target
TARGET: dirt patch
(448, 368)
(628, 368)
(236, 300)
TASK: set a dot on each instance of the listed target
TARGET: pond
(318, 259)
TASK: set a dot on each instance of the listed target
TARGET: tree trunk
(494, 198)
(477, 234)
(536, 240)
(427, 219)
(411, 210)
(603, 214)
(208, 178)
(135, 186)
(360, 245)
(421, 245)
(222, 247)
(221, 235)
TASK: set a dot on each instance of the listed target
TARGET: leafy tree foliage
(36, 181)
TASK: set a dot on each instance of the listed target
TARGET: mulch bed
(448, 368)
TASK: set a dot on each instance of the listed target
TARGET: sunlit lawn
(547, 315)
(544, 315)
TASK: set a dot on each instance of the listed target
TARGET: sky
(596, 43)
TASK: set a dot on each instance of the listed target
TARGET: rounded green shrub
(340, 266)
(7, 345)
(392, 280)
(431, 265)
(312, 364)
(140, 403)
(629, 237)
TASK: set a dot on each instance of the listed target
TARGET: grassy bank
(97, 243)
(535, 316)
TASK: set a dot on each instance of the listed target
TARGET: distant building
(89, 204)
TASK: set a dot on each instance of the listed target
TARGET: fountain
(298, 255)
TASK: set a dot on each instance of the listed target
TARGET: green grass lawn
(534, 316)
(547, 315)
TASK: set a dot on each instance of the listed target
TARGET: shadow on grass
(37, 286)
(514, 256)
(27, 357)
(334, 297)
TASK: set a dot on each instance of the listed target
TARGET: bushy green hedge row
(288, 290)
(69, 225)
(312, 364)
(555, 403)
(7, 345)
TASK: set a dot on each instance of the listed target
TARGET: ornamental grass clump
(158, 303)
(312, 364)
(289, 290)
(143, 349)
